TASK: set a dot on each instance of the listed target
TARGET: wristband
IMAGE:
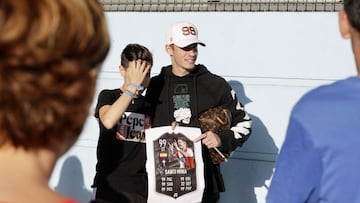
(137, 87)
(129, 93)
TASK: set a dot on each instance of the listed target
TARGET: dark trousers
(109, 196)
(210, 197)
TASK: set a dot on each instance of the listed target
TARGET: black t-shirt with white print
(121, 163)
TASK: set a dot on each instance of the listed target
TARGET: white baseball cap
(183, 34)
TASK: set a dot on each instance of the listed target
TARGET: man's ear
(169, 49)
(122, 71)
(344, 24)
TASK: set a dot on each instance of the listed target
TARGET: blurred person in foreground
(319, 160)
(50, 54)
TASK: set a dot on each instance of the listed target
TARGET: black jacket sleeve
(240, 126)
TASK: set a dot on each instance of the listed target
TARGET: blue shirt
(320, 157)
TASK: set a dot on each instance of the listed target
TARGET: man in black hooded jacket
(183, 90)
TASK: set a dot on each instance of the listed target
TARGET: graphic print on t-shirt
(175, 165)
(132, 126)
(181, 100)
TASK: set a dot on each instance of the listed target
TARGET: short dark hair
(133, 52)
(352, 9)
(183, 139)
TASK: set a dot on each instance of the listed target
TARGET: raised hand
(137, 71)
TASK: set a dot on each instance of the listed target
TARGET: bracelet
(129, 93)
(137, 87)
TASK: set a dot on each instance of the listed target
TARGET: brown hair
(133, 52)
(50, 52)
(352, 9)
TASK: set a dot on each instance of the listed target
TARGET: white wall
(270, 59)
